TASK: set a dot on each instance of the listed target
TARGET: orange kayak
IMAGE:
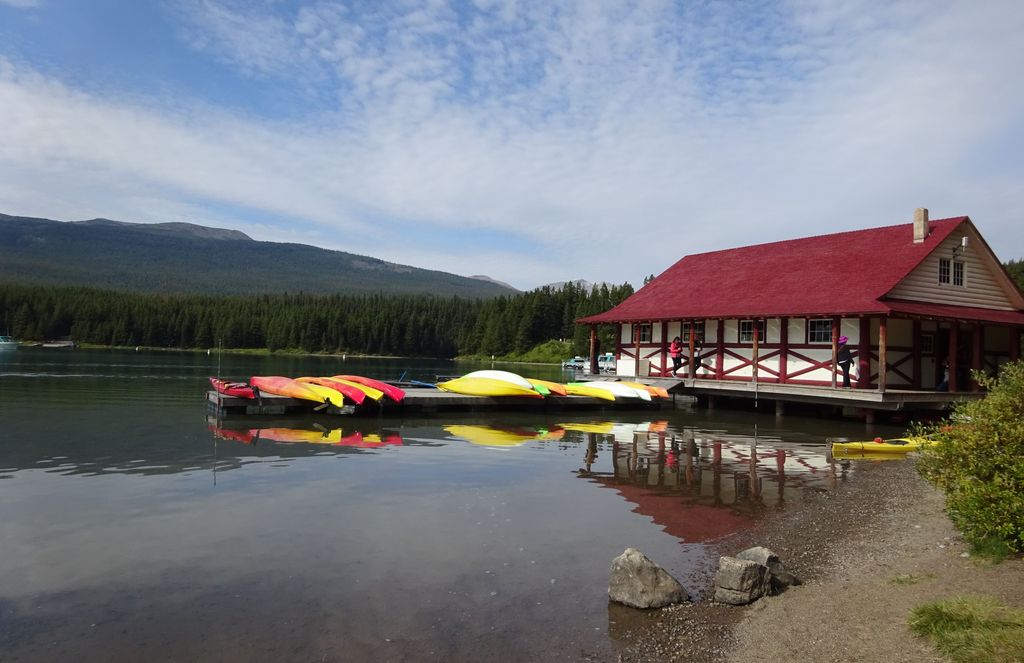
(350, 392)
(282, 386)
(391, 391)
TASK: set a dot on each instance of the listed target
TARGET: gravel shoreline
(868, 552)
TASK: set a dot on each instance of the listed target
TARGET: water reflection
(314, 434)
(700, 485)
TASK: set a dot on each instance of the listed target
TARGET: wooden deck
(423, 400)
(870, 399)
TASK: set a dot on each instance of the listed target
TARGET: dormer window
(951, 272)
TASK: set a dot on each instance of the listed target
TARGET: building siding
(981, 287)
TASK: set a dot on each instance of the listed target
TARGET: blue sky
(530, 141)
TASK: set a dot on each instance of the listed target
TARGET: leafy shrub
(979, 462)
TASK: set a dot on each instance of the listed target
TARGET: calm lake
(136, 527)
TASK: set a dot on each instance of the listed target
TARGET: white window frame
(746, 330)
(959, 273)
(645, 330)
(945, 271)
(812, 331)
(697, 327)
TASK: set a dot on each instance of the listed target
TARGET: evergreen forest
(395, 325)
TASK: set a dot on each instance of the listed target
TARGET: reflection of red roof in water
(692, 523)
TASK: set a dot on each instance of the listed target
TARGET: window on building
(698, 328)
(645, 331)
(747, 331)
(951, 271)
(958, 273)
(944, 270)
(927, 344)
(819, 331)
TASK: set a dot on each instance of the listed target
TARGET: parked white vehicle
(605, 363)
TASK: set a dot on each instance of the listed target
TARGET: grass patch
(991, 548)
(972, 629)
(910, 578)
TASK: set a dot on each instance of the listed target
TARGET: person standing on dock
(844, 358)
(675, 350)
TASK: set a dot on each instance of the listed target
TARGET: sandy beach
(868, 553)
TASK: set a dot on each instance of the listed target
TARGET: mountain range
(184, 258)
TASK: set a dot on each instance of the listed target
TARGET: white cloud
(630, 133)
(20, 4)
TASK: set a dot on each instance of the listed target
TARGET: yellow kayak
(603, 427)
(878, 445)
(592, 392)
(332, 396)
(489, 436)
(486, 387)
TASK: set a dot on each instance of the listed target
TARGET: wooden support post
(953, 355)
(864, 354)
(780, 408)
(869, 416)
(783, 352)
(977, 343)
(882, 344)
(664, 348)
(835, 349)
(636, 349)
(916, 378)
(720, 352)
(754, 354)
(691, 371)
(593, 347)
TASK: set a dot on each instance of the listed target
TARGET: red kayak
(391, 391)
(239, 389)
(349, 392)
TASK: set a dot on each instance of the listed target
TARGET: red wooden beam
(720, 352)
(864, 355)
(784, 350)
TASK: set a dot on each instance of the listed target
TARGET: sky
(529, 141)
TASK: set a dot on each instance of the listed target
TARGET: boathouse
(910, 298)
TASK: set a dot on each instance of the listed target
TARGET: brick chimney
(920, 224)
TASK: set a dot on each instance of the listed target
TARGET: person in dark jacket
(844, 358)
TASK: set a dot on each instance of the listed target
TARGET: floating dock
(424, 400)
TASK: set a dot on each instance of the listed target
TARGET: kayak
(282, 386)
(326, 394)
(348, 390)
(618, 389)
(374, 394)
(600, 427)
(580, 389)
(391, 391)
(878, 445)
(506, 376)
(478, 386)
(239, 389)
(658, 392)
(488, 436)
(556, 388)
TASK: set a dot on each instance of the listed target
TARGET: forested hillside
(403, 325)
(183, 258)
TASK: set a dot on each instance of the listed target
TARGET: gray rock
(780, 577)
(740, 581)
(637, 581)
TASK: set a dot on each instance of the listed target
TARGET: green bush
(979, 462)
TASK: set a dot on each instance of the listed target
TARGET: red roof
(843, 273)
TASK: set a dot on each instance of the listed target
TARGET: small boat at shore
(8, 343)
(878, 445)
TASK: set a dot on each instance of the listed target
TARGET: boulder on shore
(740, 581)
(638, 582)
(780, 578)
